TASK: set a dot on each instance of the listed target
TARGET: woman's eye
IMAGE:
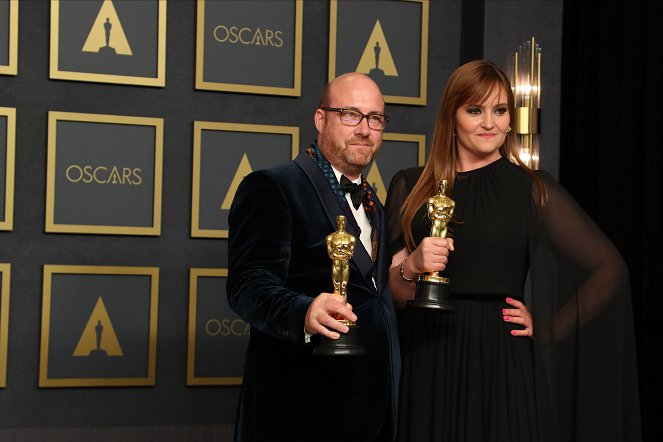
(473, 111)
(501, 111)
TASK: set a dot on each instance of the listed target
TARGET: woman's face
(481, 129)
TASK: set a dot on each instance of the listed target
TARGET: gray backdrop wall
(458, 31)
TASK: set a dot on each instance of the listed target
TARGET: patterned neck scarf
(369, 198)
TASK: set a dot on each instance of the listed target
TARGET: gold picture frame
(419, 139)
(68, 335)
(5, 271)
(226, 327)
(81, 67)
(114, 122)
(11, 66)
(260, 130)
(234, 84)
(369, 14)
(7, 218)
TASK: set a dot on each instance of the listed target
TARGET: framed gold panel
(8, 37)
(99, 326)
(109, 41)
(7, 166)
(104, 174)
(250, 47)
(398, 151)
(5, 270)
(217, 337)
(223, 154)
(385, 39)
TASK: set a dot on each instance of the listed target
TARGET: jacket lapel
(333, 208)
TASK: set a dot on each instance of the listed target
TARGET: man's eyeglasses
(352, 117)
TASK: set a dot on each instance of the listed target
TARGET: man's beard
(351, 158)
(357, 159)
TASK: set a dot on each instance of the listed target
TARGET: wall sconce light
(526, 85)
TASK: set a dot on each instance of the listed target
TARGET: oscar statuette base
(432, 293)
(346, 345)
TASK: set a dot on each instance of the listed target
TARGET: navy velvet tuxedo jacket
(278, 263)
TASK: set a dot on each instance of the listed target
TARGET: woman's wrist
(402, 269)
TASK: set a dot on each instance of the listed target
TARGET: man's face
(350, 148)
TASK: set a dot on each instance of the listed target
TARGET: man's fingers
(331, 327)
(325, 316)
(342, 309)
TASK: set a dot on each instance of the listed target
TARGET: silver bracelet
(403, 273)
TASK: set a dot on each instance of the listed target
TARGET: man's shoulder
(286, 178)
(278, 172)
(282, 168)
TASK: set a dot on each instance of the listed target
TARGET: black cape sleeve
(583, 322)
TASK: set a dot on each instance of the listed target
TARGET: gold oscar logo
(106, 35)
(103, 175)
(248, 36)
(375, 180)
(243, 170)
(376, 58)
(227, 327)
(98, 338)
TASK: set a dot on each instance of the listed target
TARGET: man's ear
(319, 119)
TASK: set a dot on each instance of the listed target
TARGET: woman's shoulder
(547, 180)
(408, 176)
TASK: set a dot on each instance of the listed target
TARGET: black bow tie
(356, 191)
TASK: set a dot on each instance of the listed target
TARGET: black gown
(465, 377)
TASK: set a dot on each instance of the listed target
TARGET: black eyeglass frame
(340, 110)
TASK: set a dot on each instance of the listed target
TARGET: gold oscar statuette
(340, 248)
(432, 289)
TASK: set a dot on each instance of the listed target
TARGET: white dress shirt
(360, 216)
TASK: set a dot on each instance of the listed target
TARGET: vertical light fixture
(526, 85)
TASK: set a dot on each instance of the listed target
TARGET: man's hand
(322, 313)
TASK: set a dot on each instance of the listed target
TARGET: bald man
(279, 282)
